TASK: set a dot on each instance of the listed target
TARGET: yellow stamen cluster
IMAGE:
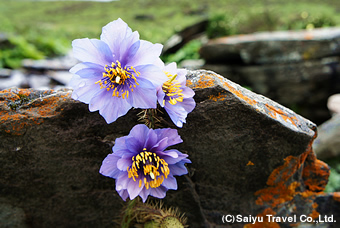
(151, 166)
(172, 89)
(117, 75)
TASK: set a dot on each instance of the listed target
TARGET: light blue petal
(144, 193)
(91, 71)
(94, 51)
(83, 89)
(169, 157)
(188, 104)
(187, 92)
(171, 68)
(144, 95)
(109, 166)
(158, 192)
(114, 107)
(177, 114)
(140, 132)
(178, 169)
(134, 145)
(151, 140)
(133, 188)
(128, 48)
(98, 101)
(119, 144)
(171, 134)
(170, 182)
(161, 145)
(123, 194)
(153, 74)
(160, 96)
(122, 181)
(146, 54)
(114, 33)
(123, 163)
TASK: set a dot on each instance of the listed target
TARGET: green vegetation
(188, 51)
(47, 28)
(334, 178)
(15, 50)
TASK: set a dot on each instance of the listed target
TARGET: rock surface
(250, 156)
(299, 69)
(274, 47)
(303, 86)
(327, 145)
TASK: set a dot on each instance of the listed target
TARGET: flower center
(172, 89)
(120, 80)
(149, 165)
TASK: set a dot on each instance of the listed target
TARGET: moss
(22, 99)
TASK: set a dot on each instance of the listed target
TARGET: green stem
(127, 217)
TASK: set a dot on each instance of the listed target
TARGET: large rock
(299, 69)
(274, 47)
(303, 86)
(250, 156)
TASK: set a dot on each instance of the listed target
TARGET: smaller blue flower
(176, 98)
(141, 165)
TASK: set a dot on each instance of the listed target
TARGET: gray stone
(192, 64)
(5, 73)
(327, 145)
(333, 104)
(62, 77)
(250, 156)
(16, 79)
(39, 81)
(274, 47)
(63, 63)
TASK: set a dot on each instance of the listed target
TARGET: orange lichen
(307, 194)
(282, 189)
(239, 94)
(219, 97)
(314, 214)
(277, 195)
(205, 81)
(312, 170)
(336, 196)
(20, 108)
(273, 112)
(250, 163)
(189, 83)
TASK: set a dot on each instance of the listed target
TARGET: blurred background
(36, 36)
(45, 28)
